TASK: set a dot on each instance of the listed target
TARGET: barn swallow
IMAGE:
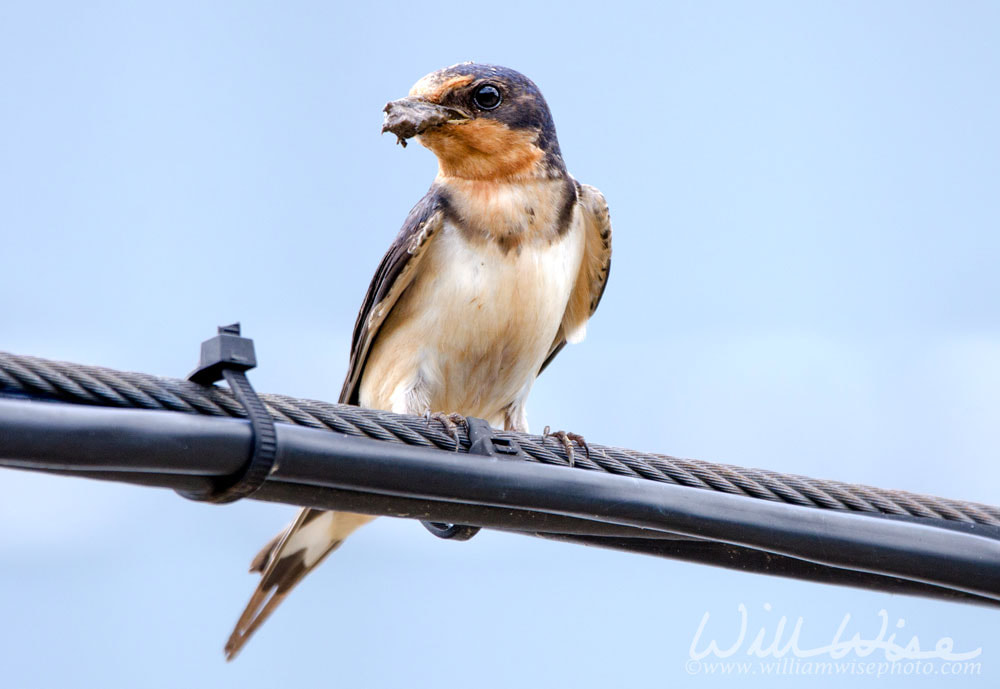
(494, 271)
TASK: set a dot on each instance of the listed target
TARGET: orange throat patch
(484, 149)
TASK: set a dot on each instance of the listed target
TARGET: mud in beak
(408, 117)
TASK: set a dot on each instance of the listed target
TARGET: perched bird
(494, 271)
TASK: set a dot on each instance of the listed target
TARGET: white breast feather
(475, 326)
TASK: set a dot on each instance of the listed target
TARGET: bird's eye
(487, 97)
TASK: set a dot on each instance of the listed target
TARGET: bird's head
(481, 121)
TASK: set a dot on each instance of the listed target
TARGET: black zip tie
(482, 441)
(229, 356)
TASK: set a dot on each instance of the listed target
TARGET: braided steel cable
(33, 377)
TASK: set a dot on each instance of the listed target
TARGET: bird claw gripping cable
(229, 356)
(483, 442)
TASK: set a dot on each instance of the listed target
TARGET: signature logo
(781, 642)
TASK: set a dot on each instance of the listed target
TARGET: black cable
(324, 469)
(35, 378)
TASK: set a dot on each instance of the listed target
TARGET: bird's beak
(408, 117)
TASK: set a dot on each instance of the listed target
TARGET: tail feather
(285, 560)
(264, 556)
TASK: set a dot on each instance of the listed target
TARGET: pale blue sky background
(806, 203)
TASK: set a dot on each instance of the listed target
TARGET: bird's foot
(450, 422)
(567, 440)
